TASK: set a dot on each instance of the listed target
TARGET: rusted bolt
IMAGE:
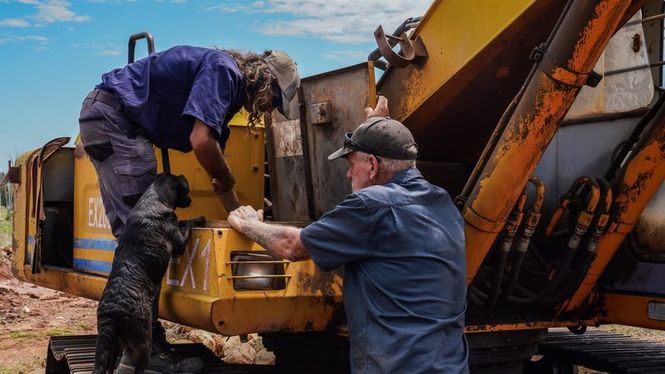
(221, 323)
(255, 168)
(637, 43)
(219, 232)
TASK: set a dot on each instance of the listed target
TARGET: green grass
(57, 331)
(5, 226)
(5, 219)
(21, 334)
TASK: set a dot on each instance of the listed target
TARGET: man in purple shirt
(182, 98)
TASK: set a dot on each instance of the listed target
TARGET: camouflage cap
(285, 70)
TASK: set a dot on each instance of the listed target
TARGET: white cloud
(14, 22)
(341, 21)
(346, 55)
(46, 12)
(102, 49)
(57, 11)
(41, 40)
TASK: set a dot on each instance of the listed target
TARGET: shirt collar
(405, 176)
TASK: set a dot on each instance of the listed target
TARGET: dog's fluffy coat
(151, 236)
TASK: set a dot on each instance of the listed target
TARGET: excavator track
(76, 355)
(603, 351)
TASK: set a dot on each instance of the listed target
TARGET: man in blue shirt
(401, 242)
(182, 98)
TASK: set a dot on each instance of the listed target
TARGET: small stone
(25, 310)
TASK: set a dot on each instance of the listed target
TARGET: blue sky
(52, 52)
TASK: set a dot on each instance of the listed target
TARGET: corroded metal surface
(574, 50)
(637, 183)
(349, 91)
(478, 59)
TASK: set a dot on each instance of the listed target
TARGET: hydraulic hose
(513, 223)
(584, 220)
(524, 238)
(598, 228)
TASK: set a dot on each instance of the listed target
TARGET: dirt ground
(30, 314)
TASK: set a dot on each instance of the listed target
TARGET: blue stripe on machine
(92, 265)
(103, 244)
(31, 240)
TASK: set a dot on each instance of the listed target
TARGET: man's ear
(373, 166)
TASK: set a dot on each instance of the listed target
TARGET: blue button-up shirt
(402, 245)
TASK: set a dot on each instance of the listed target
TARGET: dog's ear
(183, 181)
(182, 192)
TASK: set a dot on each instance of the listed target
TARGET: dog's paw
(199, 221)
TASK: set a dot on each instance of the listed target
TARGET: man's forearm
(280, 241)
(210, 156)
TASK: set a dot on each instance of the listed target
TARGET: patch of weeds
(82, 325)
(57, 331)
(20, 335)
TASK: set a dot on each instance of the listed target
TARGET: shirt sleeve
(340, 236)
(212, 94)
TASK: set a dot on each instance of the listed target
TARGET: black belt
(105, 97)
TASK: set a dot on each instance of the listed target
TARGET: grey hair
(389, 165)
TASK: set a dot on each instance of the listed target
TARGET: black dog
(152, 235)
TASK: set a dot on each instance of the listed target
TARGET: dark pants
(125, 163)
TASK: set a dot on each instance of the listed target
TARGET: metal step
(604, 351)
(76, 355)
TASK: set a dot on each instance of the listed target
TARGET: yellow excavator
(545, 118)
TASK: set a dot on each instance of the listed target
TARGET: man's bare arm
(280, 241)
(207, 151)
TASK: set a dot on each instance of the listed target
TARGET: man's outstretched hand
(381, 109)
(242, 215)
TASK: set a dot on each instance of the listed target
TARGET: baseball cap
(380, 136)
(285, 70)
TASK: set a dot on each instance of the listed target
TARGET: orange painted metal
(569, 59)
(535, 325)
(639, 181)
(632, 310)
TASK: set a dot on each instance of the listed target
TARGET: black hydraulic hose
(524, 237)
(512, 224)
(474, 298)
(502, 258)
(584, 220)
(633, 138)
(598, 228)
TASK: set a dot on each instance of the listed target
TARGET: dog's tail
(108, 347)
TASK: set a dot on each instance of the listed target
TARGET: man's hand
(243, 214)
(381, 109)
(229, 198)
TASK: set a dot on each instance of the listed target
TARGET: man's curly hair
(258, 83)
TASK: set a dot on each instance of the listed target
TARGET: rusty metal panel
(341, 95)
(287, 170)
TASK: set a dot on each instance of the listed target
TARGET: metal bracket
(13, 175)
(412, 50)
(321, 113)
